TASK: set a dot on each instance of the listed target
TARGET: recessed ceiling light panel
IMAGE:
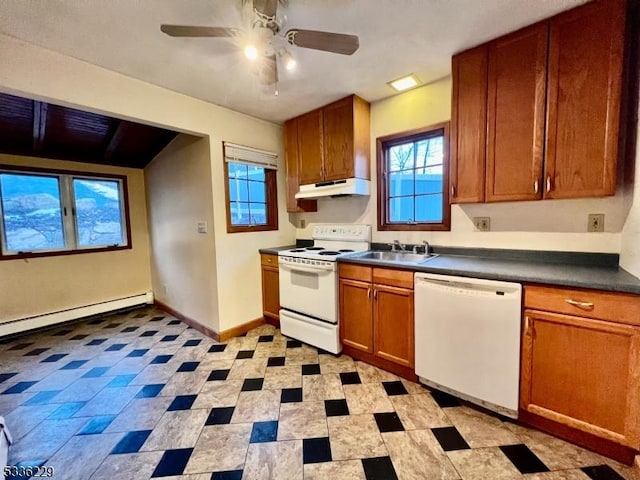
(404, 83)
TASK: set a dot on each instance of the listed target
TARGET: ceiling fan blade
(269, 70)
(266, 8)
(327, 41)
(193, 31)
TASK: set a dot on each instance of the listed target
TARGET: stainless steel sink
(405, 257)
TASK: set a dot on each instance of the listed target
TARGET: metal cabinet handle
(579, 304)
(535, 186)
(453, 190)
(375, 294)
(526, 325)
(548, 183)
(369, 293)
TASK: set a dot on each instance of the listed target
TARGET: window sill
(421, 227)
(256, 228)
(61, 253)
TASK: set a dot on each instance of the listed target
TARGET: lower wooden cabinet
(580, 372)
(355, 304)
(270, 288)
(393, 324)
(376, 317)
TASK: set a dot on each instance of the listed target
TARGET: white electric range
(309, 284)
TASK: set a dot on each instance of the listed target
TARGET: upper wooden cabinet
(508, 142)
(330, 143)
(291, 161)
(468, 126)
(583, 100)
(310, 147)
(346, 139)
(517, 77)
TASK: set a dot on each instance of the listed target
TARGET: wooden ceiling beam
(39, 125)
(118, 134)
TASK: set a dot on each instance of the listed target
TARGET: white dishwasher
(467, 334)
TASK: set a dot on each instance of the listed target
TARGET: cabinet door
(583, 102)
(310, 147)
(291, 164)
(393, 324)
(338, 140)
(582, 373)
(270, 292)
(468, 125)
(356, 316)
(515, 115)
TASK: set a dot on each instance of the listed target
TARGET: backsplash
(521, 225)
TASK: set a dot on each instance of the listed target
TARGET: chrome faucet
(425, 246)
(397, 246)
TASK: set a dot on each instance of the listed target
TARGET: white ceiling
(396, 37)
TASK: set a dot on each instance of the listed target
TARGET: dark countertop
(570, 269)
(601, 277)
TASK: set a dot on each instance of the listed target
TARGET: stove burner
(297, 250)
(346, 250)
(315, 248)
(328, 252)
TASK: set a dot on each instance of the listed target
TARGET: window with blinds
(251, 196)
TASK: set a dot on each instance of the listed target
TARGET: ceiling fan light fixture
(289, 62)
(405, 83)
(251, 52)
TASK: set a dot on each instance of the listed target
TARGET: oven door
(310, 290)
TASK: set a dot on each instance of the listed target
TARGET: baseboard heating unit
(29, 323)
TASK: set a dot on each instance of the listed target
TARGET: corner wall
(539, 225)
(630, 252)
(37, 286)
(179, 196)
(36, 72)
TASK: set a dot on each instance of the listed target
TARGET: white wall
(38, 286)
(542, 225)
(179, 196)
(39, 73)
(630, 253)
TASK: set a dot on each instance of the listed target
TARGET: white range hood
(349, 186)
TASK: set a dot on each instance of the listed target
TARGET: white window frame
(68, 210)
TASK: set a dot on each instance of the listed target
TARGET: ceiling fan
(263, 39)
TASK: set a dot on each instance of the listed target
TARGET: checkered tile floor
(141, 395)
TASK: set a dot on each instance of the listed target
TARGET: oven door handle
(304, 268)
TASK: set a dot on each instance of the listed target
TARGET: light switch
(202, 227)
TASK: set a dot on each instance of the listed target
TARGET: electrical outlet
(202, 227)
(303, 223)
(595, 222)
(165, 288)
(483, 224)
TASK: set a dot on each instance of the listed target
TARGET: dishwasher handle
(466, 286)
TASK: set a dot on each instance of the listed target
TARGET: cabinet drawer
(394, 278)
(355, 272)
(269, 259)
(615, 307)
